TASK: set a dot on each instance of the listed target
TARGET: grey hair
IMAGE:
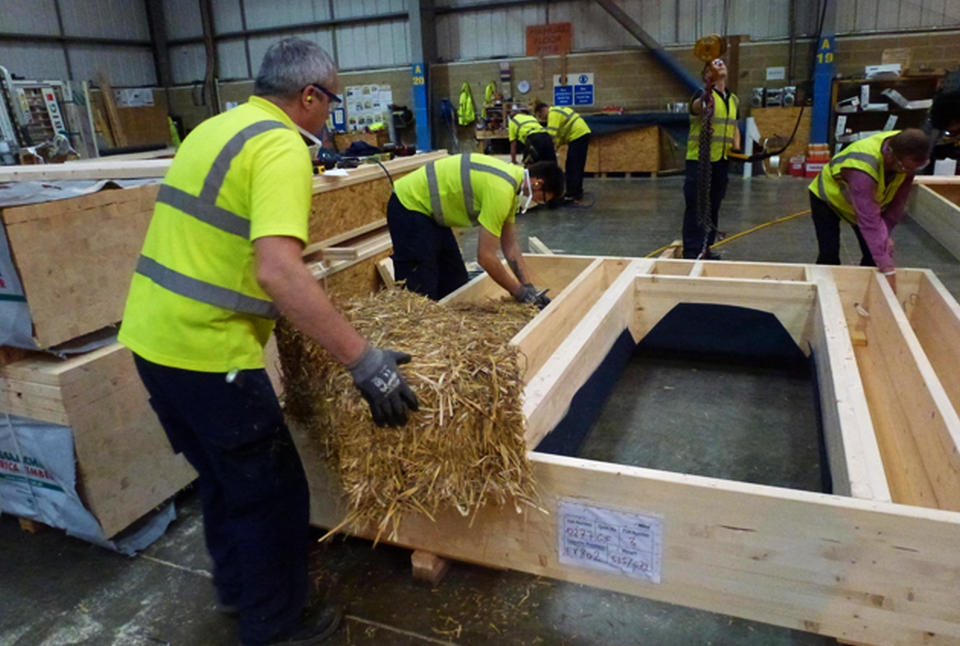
(292, 64)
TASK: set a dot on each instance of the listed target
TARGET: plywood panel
(125, 464)
(629, 151)
(76, 258)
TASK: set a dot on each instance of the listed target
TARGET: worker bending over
(221, 261)
(538, 144)
(465, 191)
(699, 235)
(867, 185)
(568, 129)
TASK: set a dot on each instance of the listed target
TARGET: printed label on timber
(610, 541)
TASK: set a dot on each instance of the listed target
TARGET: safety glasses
(335, 101)
(900, 167)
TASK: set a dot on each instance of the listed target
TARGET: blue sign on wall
(578, 89)
(340, 119)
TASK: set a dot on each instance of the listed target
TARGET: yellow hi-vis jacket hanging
(194, 300)
(865, 155)
(466, 114)
(522, 126)
(725, 114)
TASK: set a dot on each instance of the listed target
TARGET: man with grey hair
(221, 261)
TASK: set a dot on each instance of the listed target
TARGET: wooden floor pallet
(875, 563)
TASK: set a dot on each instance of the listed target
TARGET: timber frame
(876, 563)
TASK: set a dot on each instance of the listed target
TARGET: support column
(423, 52)
(823, 72)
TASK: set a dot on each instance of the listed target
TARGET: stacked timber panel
(876, 565)
(75, 259)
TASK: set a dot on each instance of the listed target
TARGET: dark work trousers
(576, 162)
(827, 223)
(539, 147)
(693, 231)
(425, 254)
(253, 490)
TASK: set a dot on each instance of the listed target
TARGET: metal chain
(704, 169)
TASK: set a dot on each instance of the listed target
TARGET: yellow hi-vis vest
(522, 126)
(565, 125)
(466, 114)
(463, 191)
(194, 301)
(864, 155)
(725, 113)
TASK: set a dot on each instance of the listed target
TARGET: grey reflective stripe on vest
(204, 211)
(867, 158)
(434, 187)
(204, 207)
(203, 291)
(466, 165)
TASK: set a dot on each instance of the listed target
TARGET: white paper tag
(610, 541)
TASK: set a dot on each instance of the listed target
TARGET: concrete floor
(59, 591)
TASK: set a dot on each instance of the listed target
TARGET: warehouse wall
(184, 101)
(376, 43)
(115, 19)
(633, 80)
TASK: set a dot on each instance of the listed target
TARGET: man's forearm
(301, 299)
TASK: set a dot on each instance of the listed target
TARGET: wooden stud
(429, 567)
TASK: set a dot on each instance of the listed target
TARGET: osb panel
(345, 209)
(593, 156)
(360, 279)
(94, 242)
(630, 151)
(778, 123)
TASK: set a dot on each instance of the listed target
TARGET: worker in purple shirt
(867, 185)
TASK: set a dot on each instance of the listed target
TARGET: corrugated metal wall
(120, 19)
(466, 35)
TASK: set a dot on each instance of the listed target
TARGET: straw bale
(464, 448)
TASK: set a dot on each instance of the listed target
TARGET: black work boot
(313, 629)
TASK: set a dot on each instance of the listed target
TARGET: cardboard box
(812, 169)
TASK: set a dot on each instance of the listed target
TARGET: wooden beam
(536, 246)
(541, 337)
(864, 571)
(852, 450)
(358, 247)
(548, 394)
(551, 272)
(334, 241)
(917, 428)
(791, 302)
(938, 216)
(935, 319)
(366, 172)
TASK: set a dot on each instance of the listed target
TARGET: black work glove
(528, 294)
(379, 380)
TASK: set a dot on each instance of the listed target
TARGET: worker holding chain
(469, 190)
(713, 133)
(867, 185)
(221, 261)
